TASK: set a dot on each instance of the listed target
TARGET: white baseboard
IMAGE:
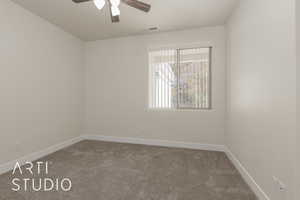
(36, 155)
(247, 177)
(163, 143)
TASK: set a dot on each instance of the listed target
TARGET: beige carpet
(113, 171)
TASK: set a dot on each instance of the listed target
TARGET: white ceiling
(86, 22)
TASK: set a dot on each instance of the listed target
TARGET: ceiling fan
(114, 6)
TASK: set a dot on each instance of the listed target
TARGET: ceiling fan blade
(138, 5)
(80, 1)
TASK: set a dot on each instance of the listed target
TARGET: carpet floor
(115, 171)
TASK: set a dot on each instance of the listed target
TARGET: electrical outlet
(280, 185)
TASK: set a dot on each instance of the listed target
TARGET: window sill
(179, 110)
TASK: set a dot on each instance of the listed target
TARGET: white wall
(41, 83)
(297, 179)
(261, 91)
(117, 90)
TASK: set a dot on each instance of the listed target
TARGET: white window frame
(181, 47)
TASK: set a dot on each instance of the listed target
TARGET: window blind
(180, 78)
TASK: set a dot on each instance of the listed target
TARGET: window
(180, 78)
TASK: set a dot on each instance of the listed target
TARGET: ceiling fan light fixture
(115, 11)
(99, 4)
(115, 4)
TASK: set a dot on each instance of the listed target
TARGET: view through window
(180, 78)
